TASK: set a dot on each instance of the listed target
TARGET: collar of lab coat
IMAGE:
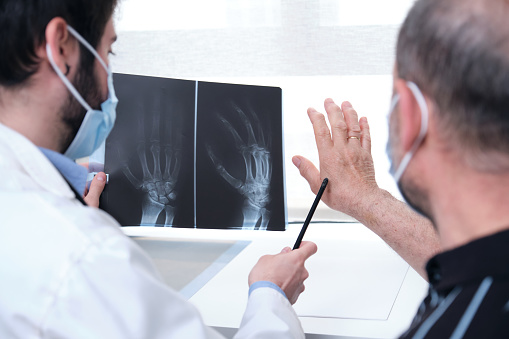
(76, 175)
(34, 162)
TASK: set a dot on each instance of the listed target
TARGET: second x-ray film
(195, 154)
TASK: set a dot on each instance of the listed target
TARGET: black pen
(310, 214)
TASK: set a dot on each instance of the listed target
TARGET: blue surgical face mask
(398, 172)
(97, 124)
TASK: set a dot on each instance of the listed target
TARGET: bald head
(457, 52)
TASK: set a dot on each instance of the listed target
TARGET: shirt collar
(488, 256)
(75, 174)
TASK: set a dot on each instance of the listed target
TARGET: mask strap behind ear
(421, 101)
(87, 45)
(66, 81)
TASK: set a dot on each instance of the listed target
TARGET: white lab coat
(68, 271)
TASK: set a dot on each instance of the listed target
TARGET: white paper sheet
(352, 279)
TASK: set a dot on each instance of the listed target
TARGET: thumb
(95, 190)
(307, 249)
(308, 171)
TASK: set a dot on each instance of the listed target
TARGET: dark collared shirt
(469, 292)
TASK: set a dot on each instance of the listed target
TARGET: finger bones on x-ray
(255, 187)
(158, 186)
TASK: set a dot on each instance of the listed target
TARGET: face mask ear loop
(87, 45)
(394, 102)
(66, 81)
(422, 133)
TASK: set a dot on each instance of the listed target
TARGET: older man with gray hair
(449, 146)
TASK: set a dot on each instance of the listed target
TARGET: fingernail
(100, 178)
(329, 100)
(296, 162)
(347, 104)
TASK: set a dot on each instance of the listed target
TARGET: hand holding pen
(286, 269)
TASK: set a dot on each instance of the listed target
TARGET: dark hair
(23, 24)
(457, 52)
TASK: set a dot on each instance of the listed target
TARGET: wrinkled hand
(93, 193)
(346, 162)
(285, 269)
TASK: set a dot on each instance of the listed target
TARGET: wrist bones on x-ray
(255, 187)
(158, 186)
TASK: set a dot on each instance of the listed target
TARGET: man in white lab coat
(66, 269)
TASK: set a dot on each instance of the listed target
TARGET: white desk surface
(375, 266)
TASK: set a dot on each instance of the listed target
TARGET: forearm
(411, 235)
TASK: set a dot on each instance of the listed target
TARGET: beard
(414, 195)
(72, 112)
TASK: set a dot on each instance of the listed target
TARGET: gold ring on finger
(353, 138)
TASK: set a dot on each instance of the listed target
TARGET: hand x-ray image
(149, 154)
(195, 154)
(239, 157)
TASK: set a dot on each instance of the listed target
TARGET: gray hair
(457, 52)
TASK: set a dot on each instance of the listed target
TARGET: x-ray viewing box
(196, 154)
(358, 287)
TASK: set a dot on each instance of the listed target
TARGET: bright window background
(312, 49)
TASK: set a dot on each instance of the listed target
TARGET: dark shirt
(469, 292)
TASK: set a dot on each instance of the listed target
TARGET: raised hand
(255, 187)
(158, 184)
(345, 158)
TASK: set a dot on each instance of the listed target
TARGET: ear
(63, 46)
(409, 115)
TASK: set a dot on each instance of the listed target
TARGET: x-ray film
(149, 153)
(195, 154)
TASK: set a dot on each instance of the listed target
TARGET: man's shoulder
(63, 218)
(38, 204)
(55, 251)
(24, 167)
(476, 309)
